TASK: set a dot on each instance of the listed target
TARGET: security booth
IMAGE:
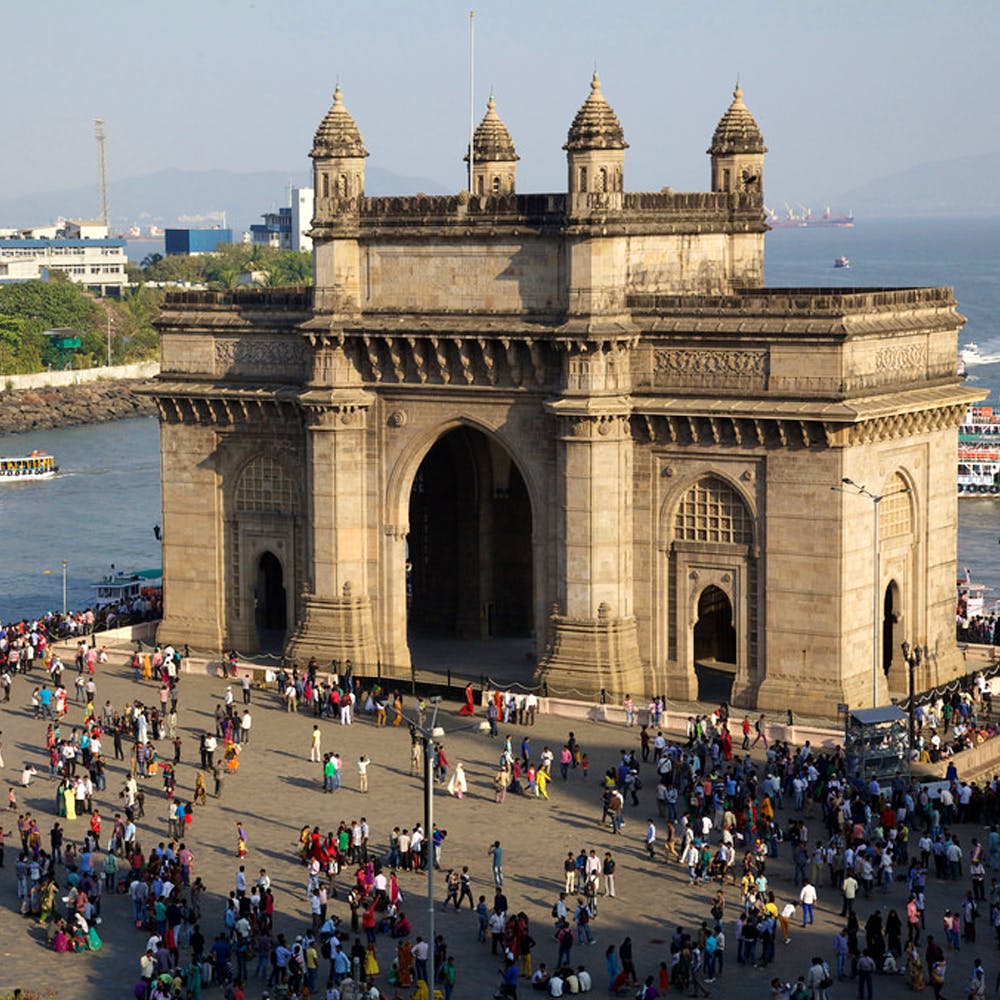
(876, 742)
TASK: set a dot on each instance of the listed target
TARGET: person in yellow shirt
(541, 783)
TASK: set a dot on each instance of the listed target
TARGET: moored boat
(37, 465)
(841, 262)
(979, 453)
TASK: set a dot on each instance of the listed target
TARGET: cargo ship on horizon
(806, 220)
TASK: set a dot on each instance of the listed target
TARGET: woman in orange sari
(469, 708)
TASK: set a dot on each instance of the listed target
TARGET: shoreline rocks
(23, 410)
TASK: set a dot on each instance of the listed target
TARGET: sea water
(103, 506)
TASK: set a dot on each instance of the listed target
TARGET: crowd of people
(725, 822)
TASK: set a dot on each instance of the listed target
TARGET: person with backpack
(582, 918)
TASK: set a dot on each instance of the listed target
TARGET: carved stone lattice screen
(264, 488)
(712, 511)
(895, 516)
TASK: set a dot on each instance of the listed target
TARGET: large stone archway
(469, 547)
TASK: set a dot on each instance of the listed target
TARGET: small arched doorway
(270, 603)
(715, 645)
(469, 556)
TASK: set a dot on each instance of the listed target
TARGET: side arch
(264, 521)
(709, 537)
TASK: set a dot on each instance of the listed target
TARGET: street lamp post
(427, 734)
(876, 499)
(913, 655)
(64, 587)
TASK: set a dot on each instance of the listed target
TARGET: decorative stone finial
(595, 126)
(737, 131)
(338, 134)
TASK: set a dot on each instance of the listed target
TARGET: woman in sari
(69, 801)
(404, 956)
(469, 708)
(914, 969)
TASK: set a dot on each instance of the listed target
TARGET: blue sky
(843, 91)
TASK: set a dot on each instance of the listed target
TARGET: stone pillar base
(181, 632)
(682, 683)
(338, 628)
(815, 696)
(587, 654)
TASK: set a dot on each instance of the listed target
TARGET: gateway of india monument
(576, 426)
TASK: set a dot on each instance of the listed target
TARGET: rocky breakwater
(67, 406)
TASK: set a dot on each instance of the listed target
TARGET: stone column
(337, 613)
(593, 639)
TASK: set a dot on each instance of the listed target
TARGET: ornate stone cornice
(789, 432)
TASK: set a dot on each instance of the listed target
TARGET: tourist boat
(121, 586)
(971, 355)
(37, 465)
(841, 262)
(972, 598)
(979, 453)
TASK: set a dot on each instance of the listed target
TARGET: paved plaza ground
(277, 790)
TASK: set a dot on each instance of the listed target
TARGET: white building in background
(80, 249)
(287, 228)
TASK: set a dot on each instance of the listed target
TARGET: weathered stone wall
(24, 410)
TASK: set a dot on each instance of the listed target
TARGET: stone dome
(492, 142)
(338, 133)
(737, 131)
(595, 126)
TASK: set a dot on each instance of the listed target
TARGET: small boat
(841, 262)
(37, 465)
(971, 355)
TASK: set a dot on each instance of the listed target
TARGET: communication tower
(101, 168)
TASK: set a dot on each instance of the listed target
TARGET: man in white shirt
(808, 897)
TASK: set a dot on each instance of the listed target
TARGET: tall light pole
(876, 499)
(913, 656)
(64, 587)
(427, 734)
(109, 338)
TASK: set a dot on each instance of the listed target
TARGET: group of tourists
(727, 823)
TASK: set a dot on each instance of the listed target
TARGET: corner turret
(494, 163)
(595, 146)
(737, 150)
(338, 156)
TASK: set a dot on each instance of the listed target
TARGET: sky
(844, 92)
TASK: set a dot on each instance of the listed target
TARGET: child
(241, 841)
(585, 764)
(12, 799)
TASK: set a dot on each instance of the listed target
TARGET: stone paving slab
(277, 791)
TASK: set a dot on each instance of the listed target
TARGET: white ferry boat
(37, 465)
(971, 355)
(979, 453)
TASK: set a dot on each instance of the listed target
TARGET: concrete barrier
(74, 376)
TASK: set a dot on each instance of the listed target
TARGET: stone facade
(576, 416)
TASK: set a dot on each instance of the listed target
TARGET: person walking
(866, 969)
(608, 870)
(496, 857)
(651, 838)
(808, 897)
(315, 754)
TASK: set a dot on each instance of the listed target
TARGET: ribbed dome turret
(595, 126)
(338, 133)
(737, 131)
(492, 142)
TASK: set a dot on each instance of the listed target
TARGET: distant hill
(168, 196)
(949, 187)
